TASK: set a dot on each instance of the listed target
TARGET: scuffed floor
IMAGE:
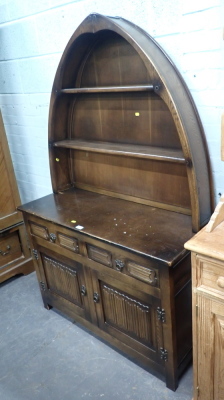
(44, 356)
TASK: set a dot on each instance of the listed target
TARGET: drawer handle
(220, 282)
(52, 237)
(119, 265)
(3, 253)
(96, 297)
(152, 277)
(83, 290)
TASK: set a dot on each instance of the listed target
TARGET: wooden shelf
(128, 150)
(132, 88)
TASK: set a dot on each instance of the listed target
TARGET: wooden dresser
(208, 307)
(15, 257)
(130, 179)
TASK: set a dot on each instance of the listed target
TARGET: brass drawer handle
(52, 237)
(119, 265)
(220, 282)
(3, 253)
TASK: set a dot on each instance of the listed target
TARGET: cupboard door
(62, 280)
(209, 384)
(130, 316)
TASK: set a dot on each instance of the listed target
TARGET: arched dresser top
(110, 61)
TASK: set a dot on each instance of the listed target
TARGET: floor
(44, 356)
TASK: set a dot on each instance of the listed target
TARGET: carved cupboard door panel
(62, 281)
(209, 384)
(131, 318)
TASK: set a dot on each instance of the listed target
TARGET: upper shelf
(105, 89)
(129, 150)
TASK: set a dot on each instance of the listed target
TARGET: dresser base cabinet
(136, 302)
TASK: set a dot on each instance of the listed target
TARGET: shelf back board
(116, 97)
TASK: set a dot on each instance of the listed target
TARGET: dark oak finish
(15, 256)
(128, 150)
(130, 177)
(137, 88)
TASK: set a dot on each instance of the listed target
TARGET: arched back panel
(123, 123)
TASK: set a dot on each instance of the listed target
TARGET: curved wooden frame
(167, 83)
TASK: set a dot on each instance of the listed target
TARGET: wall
(33, 35)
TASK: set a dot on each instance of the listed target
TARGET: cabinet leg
(172, 385)
(47, 306)
(171, 380)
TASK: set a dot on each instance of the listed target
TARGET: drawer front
(99, 255)
(211, 276)
(10, 248)
(68, 242)
(121, 263)
(144, 274)
(39, 230)
(107, 256)
(136, 270)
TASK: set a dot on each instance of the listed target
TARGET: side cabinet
(208, 307)
(208, 316)
(15, 257)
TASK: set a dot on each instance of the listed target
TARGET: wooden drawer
(106, 255)
(211, 276)
(39, 230)
(144, 274)
(10, 248)
(99, 255)
(55, 234)
(123, 264)
(69, 242)
(137, 270)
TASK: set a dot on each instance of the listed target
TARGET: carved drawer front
(211, 276)
(62, 279)
(39, 230)
(68, 242)
(144, 274)
(101, 256)
(10, 248)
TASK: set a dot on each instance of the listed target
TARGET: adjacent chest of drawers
(15, 257)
